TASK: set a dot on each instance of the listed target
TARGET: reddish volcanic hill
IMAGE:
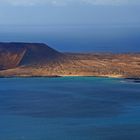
(15, 54)
(37, 53)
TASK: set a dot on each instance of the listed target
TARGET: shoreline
(61, 76)
(128, 79)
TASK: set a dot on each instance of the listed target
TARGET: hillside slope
(15, 54)
(10, 55)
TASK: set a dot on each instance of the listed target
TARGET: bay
(69, 108)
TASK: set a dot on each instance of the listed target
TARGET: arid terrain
(36, 59)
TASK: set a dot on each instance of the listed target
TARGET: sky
(69, 19)
(69, 12)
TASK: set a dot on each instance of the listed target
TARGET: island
(40, 60)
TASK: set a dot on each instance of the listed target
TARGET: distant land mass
(38, 60)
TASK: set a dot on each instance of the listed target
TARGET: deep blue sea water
(77, 38)
(74, 108)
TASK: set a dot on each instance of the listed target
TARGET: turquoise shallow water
(74, 108)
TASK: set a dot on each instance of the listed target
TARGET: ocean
(77, 38)
(69, 108)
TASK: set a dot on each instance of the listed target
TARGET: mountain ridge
(26, 54)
